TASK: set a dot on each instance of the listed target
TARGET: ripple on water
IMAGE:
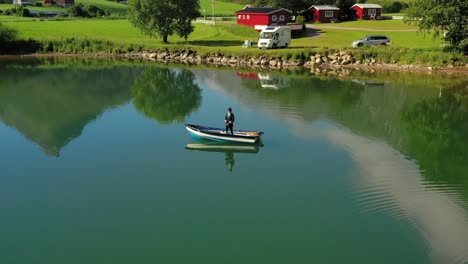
(436, 209)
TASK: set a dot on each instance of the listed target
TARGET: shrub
(300, 19)
(77, 11)
(23, 12)
(394, 7)
(7, 34)
(86, 11)
(94, 11)
(463, 46)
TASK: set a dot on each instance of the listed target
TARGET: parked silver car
(372, 40)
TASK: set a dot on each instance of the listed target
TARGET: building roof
(324, 7)
(261, 10)
(367, 6)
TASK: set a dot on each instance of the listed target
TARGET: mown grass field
(389, 24)
(113, 7)
(335, 38)
(221, 8)
(224, 35)
(38, 8)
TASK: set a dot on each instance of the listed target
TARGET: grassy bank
(221, 8)
(118, 35)
(114, 8)
(225, 35)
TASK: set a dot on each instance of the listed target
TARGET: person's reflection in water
(230, 160)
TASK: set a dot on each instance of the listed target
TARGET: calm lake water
(97, 167)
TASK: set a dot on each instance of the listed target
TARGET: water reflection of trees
(438, 135)
(309, 97)
(51, 106)
(166, 95)
(412, 118)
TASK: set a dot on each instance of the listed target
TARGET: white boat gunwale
(218, 134)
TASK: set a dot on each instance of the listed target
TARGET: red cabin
(261, 17)
(367, 11)
(324, 13)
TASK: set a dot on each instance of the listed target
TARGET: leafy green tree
(166, 95)
(164, 17)
(345, 6)
(7, 35)
(296, 6)
(448, 17)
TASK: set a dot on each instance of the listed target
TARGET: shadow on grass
(302, 47)
(312, 32)
(216, 43)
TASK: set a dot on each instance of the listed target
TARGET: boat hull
(218, 134)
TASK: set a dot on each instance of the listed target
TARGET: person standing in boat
(229, 120)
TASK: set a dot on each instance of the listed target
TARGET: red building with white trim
(324, 13)
(367, 11)
(261, 17)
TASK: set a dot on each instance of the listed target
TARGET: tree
(296, 6)
(7, 35)
(166, 95)
(345, 6)
(448, 17)
(164, 17)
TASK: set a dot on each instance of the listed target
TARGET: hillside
(221, 8)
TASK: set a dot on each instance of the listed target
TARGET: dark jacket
(230, 118)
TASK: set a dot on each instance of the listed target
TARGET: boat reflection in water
(228, 148)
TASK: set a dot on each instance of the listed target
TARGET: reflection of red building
(248, 75)
(48, 2)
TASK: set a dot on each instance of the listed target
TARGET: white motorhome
(275, 37)
(24, 2)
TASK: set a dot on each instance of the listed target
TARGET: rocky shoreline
(341, 59)
(317, 63)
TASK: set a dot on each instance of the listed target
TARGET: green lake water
(97, 167)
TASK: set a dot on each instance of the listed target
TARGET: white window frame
(328, 13)
(372, 12)
(239, 16)
(248, 16)
(243, 16)
(282, 18)
(274, 18)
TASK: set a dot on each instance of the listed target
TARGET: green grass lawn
(225, 36)
(391, 24)
(220, 8)
(333, 38)
(38, 8)
(113, 7)
(15, 18)
(393, 14)
(122, 32)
